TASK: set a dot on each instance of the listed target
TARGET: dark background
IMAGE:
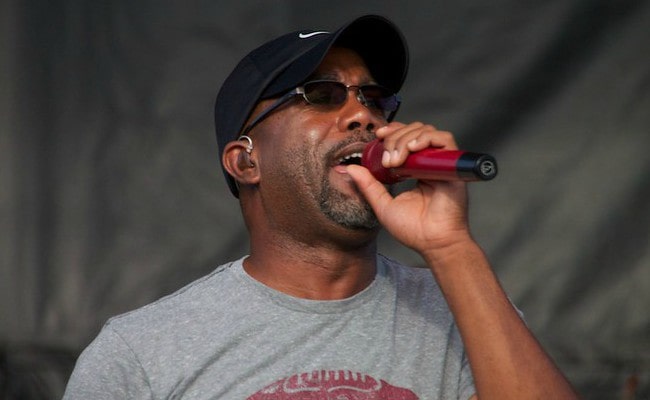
(112, 194)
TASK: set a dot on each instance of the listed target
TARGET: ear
(238, 159)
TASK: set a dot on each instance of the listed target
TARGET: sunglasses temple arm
(268, 110)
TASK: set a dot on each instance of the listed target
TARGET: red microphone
(431, 164)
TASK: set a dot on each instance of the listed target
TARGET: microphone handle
(431, 164)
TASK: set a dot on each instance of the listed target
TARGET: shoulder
(142, 343)
(208, 294)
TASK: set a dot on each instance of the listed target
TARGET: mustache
(355, 137)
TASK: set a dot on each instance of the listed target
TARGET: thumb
(374, 191)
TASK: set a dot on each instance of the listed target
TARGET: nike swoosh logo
(308, 35)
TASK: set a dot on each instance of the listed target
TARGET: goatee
(352, 213)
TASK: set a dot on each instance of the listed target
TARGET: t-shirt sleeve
(466, 387)
(108, 369)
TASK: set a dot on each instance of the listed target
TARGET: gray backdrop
(112, 194)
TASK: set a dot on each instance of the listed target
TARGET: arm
(506, 360)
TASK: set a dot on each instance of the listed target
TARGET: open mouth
(350, 159)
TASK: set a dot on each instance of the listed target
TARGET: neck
(317, 272)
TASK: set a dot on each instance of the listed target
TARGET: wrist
(452, 251)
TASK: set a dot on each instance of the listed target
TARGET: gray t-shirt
(227, 336)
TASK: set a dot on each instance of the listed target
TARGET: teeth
(351, 156)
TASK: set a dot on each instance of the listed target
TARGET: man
(313, 312)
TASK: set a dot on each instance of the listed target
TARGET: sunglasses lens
(332, 93)
(379, 97)
(325, 93)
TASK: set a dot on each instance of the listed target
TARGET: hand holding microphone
(430, 164)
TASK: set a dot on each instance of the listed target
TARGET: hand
(433, 215)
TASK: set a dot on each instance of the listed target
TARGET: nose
(355, 115)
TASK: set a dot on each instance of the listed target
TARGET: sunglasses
(378, 99)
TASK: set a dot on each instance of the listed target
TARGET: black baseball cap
(287, 61)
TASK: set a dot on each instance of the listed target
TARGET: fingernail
(385, 158)
(395, 155)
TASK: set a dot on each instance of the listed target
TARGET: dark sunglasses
(333, 93)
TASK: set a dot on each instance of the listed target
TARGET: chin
(350, 213)
(346, 206)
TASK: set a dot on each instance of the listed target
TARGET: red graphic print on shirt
(338, 385)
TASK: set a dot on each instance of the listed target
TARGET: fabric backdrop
(112, 195)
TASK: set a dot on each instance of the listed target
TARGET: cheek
(303, 139)
(285, 161)
(297, 143)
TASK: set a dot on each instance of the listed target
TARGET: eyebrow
(330, 76)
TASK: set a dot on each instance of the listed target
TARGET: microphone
(430, 164)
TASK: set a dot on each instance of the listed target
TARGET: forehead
(343, 64)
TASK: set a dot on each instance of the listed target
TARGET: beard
(349, 212)
(345, 211)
